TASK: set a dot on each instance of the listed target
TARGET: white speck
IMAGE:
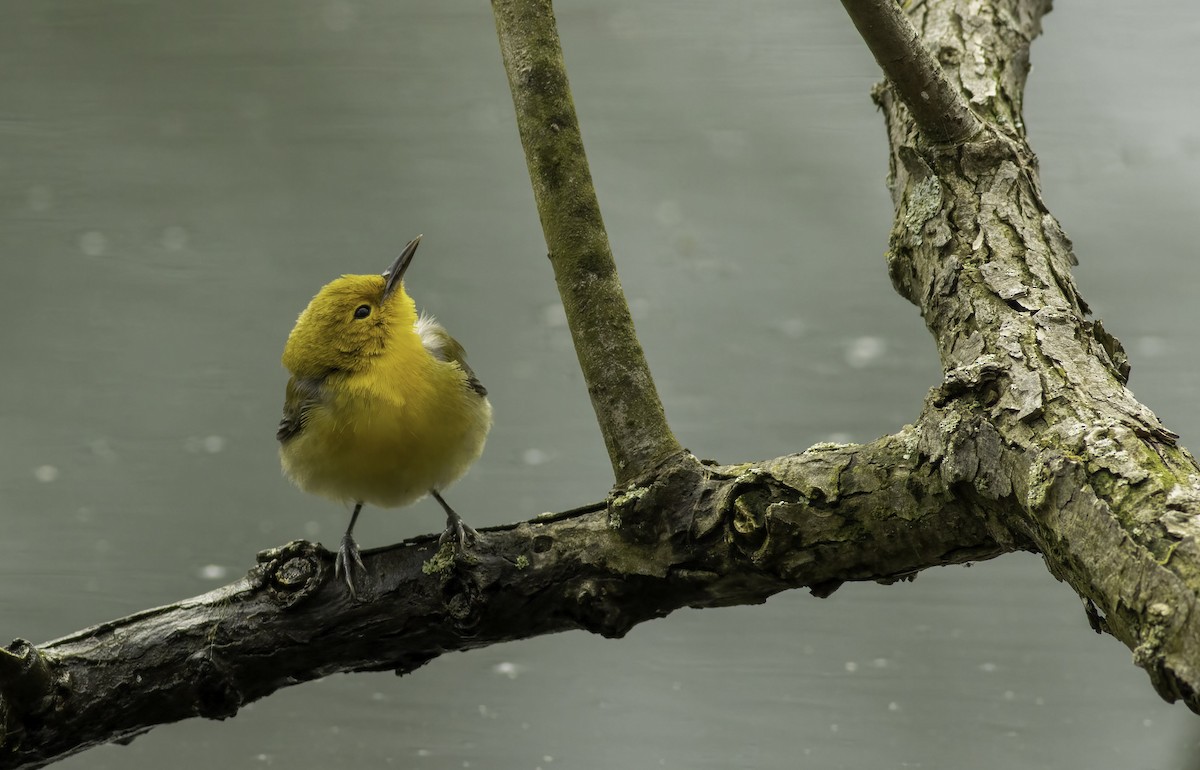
(547, 758)
(925, 95)
(339, 16)
(174, 238)
(93, 243)
(101, 448)
(1150, 346)
(41, 198)
(880, 663)
(669, 213)
(1039, 701)
(1010, 695)
(84, 514)
(833, 728)
(554, 316)
(45, 473)
(535, 456)
(379, 697)
(213, 572)
(793, 327)
(864, 351)
(676, 686)
(312, 528)
(1147, 722)
(424, 753)
(851, 666)
(102, 546)
(893, 706)
(486, 712)
(524, 725)
(508, 669)
(988, 668)
(264, 758)
(213, 444)
(839, 438)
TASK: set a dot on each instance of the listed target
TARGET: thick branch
(1065, 453)
(690, 536)
(623, 394)
(937, 105)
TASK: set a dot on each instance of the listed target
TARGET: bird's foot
(458, 530)
(348, 561)
(455, 526)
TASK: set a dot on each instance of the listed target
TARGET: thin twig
(938, 107)
(623, 395)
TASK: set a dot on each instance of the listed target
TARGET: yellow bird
(381, 407)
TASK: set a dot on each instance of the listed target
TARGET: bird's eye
(362, 311)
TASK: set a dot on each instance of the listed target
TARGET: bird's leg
(454, 524)
(348, 555)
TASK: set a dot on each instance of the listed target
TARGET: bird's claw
(460, 531)
(344, 565)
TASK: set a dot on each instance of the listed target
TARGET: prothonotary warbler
(381, 407)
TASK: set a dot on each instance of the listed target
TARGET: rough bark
(1031, 442)
(1068, 458)
(689, 536)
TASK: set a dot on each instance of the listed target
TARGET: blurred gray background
(178, 179)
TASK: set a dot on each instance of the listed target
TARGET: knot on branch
(28, 688)
(293, 572)
(742, 506)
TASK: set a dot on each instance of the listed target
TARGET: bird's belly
(384, 454)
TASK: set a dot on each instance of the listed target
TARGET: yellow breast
(389, 433)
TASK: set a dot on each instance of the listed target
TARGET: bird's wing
(303, 394)
(439, 344)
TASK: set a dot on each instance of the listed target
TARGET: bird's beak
(395, 273)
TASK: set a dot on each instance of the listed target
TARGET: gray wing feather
(302, 395)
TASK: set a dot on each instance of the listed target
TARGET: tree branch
(937, 105)
(1067, 454)
(622, 391)
(693, 536)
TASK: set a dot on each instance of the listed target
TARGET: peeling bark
(1074, 463)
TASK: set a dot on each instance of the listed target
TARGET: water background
(177, 179)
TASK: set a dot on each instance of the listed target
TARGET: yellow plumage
(381, 407)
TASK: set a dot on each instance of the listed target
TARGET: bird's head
(351, 320)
